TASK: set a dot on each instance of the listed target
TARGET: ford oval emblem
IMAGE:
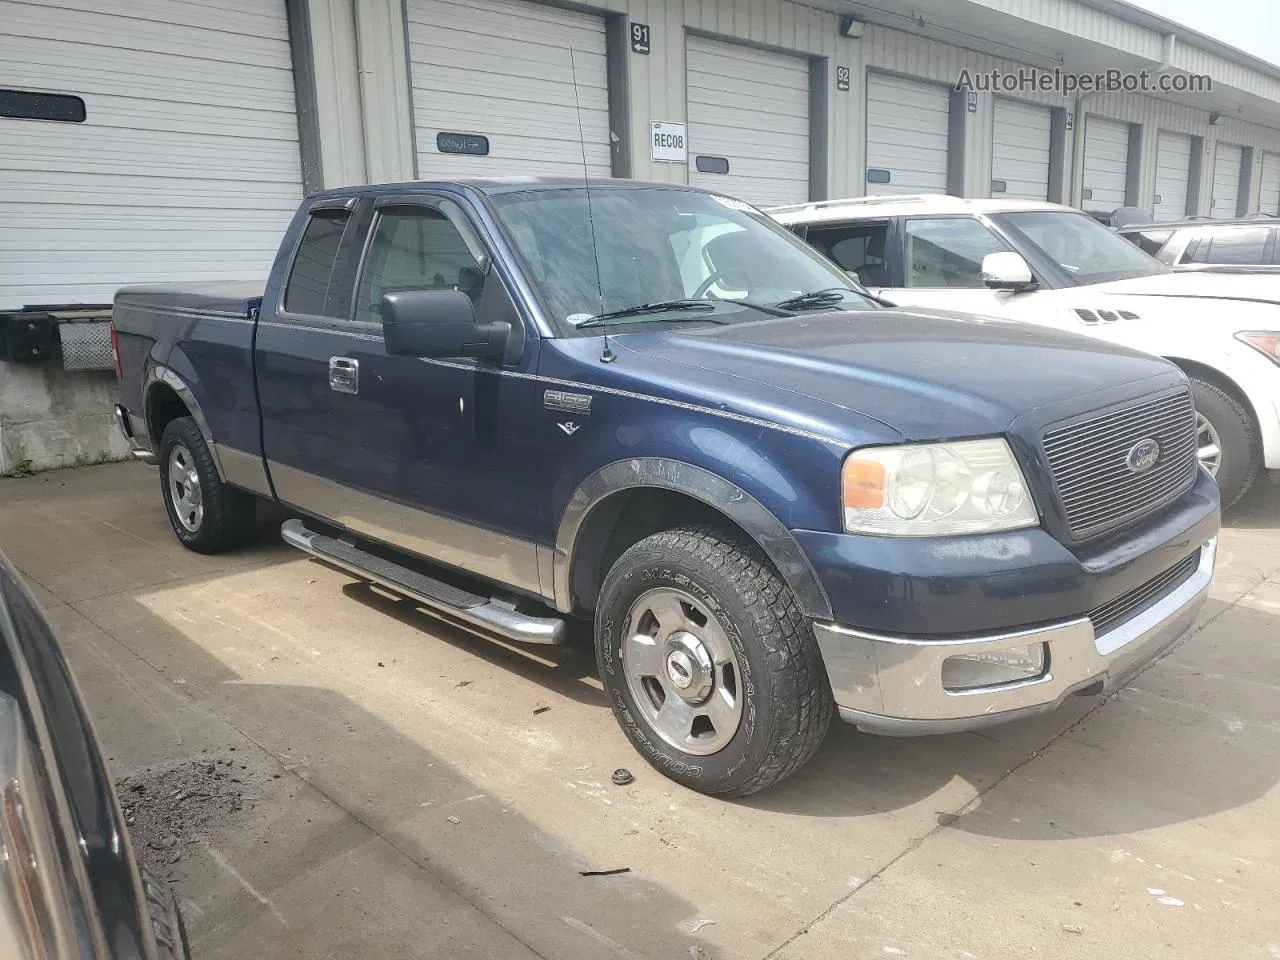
(1143, 455)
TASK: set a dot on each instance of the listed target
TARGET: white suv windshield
(642, 245)
(1082, 248)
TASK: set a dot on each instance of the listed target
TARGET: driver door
(942, 266)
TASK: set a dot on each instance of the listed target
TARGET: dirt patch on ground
(169, 808)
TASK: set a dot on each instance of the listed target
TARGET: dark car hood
(928, 374)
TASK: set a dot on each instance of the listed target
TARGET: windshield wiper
(773, 310)
(660, 306)
(816, 298)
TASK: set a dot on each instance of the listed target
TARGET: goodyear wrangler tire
(710, 667)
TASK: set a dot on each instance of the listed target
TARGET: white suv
(1055, 266)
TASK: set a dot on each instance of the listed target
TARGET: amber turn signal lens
(862, 484)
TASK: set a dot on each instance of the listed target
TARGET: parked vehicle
(524, 401)
(1057, 267)
(70, 886)
(1241, 246)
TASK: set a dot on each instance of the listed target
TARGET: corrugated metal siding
(907, 134)
(658, 80)
(1269, 184)
(751, 108)
(1020, 149)
(502, 69)
(1173, 175)
(1226, 181)
(187, 165)
(1106, 163)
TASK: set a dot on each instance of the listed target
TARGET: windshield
(657, 246)
(1086, 250)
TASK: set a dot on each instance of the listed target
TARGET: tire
(729, 598)
(1241, 456)
(166, 919)
(206, 515)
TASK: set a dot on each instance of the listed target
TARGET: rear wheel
(710, 667)
(207, 515)
(1227, 443)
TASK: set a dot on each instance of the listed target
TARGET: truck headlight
(1265, 342)
(935, 489)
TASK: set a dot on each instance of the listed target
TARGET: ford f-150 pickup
(523, 401)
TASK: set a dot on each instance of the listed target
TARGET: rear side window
(857, 248)
(1150, 241)
(308, 290)
(1240, 245)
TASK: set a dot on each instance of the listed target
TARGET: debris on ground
(540, 710)
(622, 776)
(188, 802)
(463, 683)
(604, 873)
(453, 820)
(1072, 928)
(694, 924)
(381, 664)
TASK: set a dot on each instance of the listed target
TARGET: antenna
(608, 355)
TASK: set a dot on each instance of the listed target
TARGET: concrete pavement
(404, 793)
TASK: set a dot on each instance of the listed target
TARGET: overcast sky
(1251, 25)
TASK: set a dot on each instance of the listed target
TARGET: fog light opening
(995, 668)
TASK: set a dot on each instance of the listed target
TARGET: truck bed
(235, 298)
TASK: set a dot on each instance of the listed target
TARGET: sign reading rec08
(669, 142)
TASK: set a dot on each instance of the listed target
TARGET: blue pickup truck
(528, 400)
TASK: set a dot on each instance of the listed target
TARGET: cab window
(414, 248)
(948, 252)
(311, 289)
(858, 248)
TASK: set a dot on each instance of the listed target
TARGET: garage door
(906, 135)
(1269, 184)
(750, 108)
(1020, 150)
(1106, 164)
(499, 72)
(1173, 175)
(1226, 181)
(185, 167)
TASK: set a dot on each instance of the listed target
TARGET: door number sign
(640, 38)
(842, 78)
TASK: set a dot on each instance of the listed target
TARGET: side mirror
(439, 324)
(1007, 271)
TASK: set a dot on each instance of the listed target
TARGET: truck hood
(1201, 284)
(928, 374)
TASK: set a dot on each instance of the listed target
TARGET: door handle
(344, 375)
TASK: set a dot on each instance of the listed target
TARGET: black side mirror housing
(439, 324)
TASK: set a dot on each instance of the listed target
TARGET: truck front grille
(1124, 607)
(1092, 462)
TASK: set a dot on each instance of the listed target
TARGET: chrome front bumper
(893, 685)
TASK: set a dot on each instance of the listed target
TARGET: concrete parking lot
(326, 772)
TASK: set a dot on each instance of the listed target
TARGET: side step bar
(471, 611)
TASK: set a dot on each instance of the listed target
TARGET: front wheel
(710, 667)
(1227, 443)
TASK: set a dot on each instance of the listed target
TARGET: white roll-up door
(1226, 181)
(907, 124)
(1269, 184)
(502, 70)
(186, 166)
(748, 107)
(1173, 175)
(1106, 164)
(1020, 150)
